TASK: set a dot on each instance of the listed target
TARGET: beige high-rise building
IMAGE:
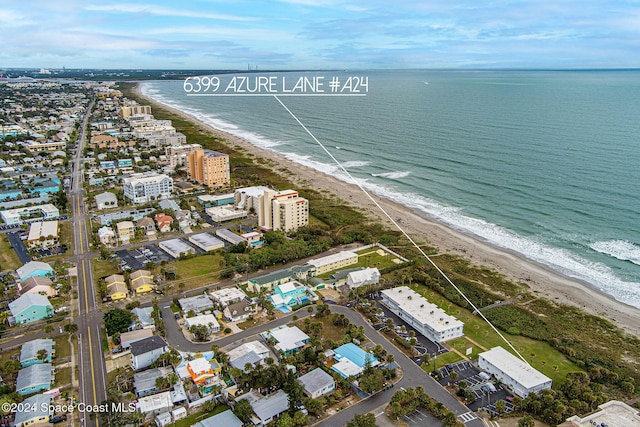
(282, 210)
(130, 109)
(177, 154)
(209, 167)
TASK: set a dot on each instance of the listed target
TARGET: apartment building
(208, 167)
(282, 210)
(147, 187)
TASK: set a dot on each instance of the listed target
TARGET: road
(413, 375)
(89, 319)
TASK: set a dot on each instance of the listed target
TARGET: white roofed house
(287, 340)
(317, 383)
(198, 303)
(268, 408)
(106, 235)
(207, 320)
(106, 200)
(252, 352)
(41, 410)
(227, 296)
(364, 277)
(43, 234)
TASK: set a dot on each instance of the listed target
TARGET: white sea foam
(355, 164)
(561, 260)
(392, 175)
(621, 249)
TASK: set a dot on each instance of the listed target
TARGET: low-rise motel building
(427, 318)
(513, 372)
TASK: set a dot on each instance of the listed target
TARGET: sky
(320, 34)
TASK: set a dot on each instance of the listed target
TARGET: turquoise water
(542, 163)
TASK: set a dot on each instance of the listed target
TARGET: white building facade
(147, 187)
(513, 372)
(427, 318)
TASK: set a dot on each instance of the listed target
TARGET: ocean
(542, 163)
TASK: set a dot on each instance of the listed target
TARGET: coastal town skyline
(296, 34)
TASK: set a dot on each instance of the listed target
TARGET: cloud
(163, 11)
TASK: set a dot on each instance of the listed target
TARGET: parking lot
(423, 346)
(136, 259)
(420, 417)
(486, 390)
(18, 246)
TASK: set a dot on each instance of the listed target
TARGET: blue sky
(293, 34)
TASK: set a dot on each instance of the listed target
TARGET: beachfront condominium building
(427, 318)
(131, 109)
(147, 187)
(208, 167)
(282, 210)
(177, 154)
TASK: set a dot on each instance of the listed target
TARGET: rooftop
(227, 295)
(40, 404)
(146, 345)
(34, 375)
(330, 259)
(422, 310)
(205, 239)
(289, 338)
(612, 413)
(355, 354)
(315, 380)
(226, 419)
(514, 367)
(196, 303)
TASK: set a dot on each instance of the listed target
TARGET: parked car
(58, 419)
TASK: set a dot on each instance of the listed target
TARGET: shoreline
(542, 280)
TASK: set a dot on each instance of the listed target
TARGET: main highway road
(89, 319)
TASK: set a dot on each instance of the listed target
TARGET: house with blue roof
(34, 268)
(352, 360)
(40, 411)
(30, 308)
(34, 378)
(46, 187)
(29, 352)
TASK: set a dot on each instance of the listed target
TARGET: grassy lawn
(8, 258)
(194, 418)
(63, 349)
(248, 324)
(9, 355)
(63, 376)
(103, 268)
(444, 359)
(539, 354)
(462, 344)
(198, 266)
(329, 330)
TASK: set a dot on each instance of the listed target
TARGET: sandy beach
(540, 279)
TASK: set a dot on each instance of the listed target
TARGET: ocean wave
(620, 249)
(392, 175)
(355, 164)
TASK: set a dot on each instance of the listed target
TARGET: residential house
(317, 383)
(238, 311)
(106, 200)
(116, 287)
(128, 338)
(37, 285)
(184, 219)
(34, 378)
(279, 277)
(147, 225)
(226, 419)
(226, 296)
(143, 318)
(142, 281)
(126, 231)
(39, 414)
(288, 295)
(106, 235)
(30, 352)
(30, 308)
(164, 222)
(253, 352)
(208, 320)
(144, 382)
(352, 360)
(198, 303)
(147, 351)
(34, 268)
(266, 408)
(204, 372)
(366, 276)
(285, 339)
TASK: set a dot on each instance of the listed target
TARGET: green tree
(118, 320)
(71, 328)
(243, 410)
(363, 420)
(371, 381)
(314, 406)
(42, 354)
(501, 406)
(300, 419)
(200, 332)
(285, 420)
(526, 421)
